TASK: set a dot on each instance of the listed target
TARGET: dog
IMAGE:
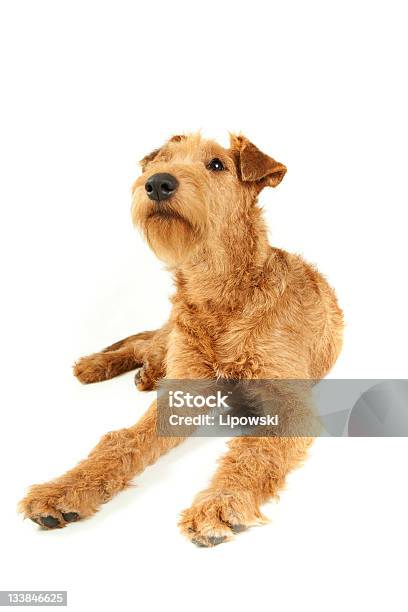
(242, 310)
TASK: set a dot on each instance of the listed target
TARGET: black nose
(161, 186)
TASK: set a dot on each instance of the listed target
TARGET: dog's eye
(216, 165)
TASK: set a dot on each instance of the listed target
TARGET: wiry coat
(242, 309)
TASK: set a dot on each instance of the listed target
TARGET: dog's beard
(166, 213)
(170, 235)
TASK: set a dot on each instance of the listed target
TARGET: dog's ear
(178, 138)
(254, 166)
(148, 158)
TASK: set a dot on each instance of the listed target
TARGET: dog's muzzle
(161, 186)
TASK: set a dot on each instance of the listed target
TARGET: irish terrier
(241, 310)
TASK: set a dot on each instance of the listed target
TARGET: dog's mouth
(165, 213)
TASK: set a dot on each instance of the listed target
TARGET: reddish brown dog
(242, 309)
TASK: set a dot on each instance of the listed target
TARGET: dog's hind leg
(146, 350)
(118, 457)
(107, 364)
(130, 341)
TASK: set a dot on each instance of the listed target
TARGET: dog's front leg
(110, 466)
(255, 468)
(253, 471)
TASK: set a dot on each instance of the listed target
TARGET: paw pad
(48, 521)
(51, 522)
(70, 517)
(209, 541)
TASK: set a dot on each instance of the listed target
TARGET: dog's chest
(223, 342)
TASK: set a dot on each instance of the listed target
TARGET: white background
(87, 89)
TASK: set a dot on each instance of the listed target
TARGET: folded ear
(148, 158)
(151, 156)
(253, 165)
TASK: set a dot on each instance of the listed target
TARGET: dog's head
(191, 187)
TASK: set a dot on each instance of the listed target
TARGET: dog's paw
(216, 516)
(145, 378)
(53, 505)
(93, 368)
